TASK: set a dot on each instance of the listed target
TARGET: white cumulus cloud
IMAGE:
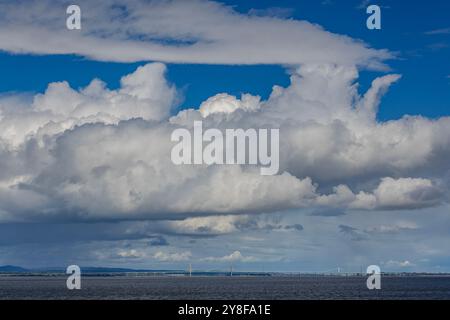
(236, 256)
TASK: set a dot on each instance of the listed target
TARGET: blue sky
(86, 176)
(404, 27)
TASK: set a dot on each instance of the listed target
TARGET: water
(236, 288)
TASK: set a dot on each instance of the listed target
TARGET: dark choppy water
(236, 288)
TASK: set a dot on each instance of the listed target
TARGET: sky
(86, 117)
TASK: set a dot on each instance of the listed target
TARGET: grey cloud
(45, 233)
(158, 241)
(297, 227)
(421, 239)
(353, 233)
(139, 30)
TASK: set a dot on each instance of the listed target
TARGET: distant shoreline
(214, 274)
(10, 270)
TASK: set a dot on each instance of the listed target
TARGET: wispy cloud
(399, 264)
(438, 46)
(131, 254)
(363, 4)
(392, 228)
(438, 31)
(172, 257)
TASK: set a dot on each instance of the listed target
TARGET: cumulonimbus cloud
(99, 154)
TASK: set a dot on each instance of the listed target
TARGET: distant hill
(12, 269)
(107, 270)
(119, 271)
(16, 269)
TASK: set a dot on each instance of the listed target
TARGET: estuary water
(224, 288)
